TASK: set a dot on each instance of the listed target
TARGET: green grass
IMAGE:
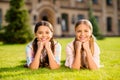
(12, 59)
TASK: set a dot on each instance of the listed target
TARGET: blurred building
(64, 13)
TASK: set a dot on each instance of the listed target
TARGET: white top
(30, 53)
(70, 54)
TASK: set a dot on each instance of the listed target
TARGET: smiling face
(83, 32)
(44, 34)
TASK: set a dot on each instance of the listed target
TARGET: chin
(82, 41)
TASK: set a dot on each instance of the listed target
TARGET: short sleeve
(58, 53)
(96, 56)
(69, 55)
(29, 53)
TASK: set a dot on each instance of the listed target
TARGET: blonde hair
(91, 41)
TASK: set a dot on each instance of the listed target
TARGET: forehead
(82, 26)
(43, 28)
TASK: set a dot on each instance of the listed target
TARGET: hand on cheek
(47, 45)
(78, 45)
(86, 45)
(40, 45)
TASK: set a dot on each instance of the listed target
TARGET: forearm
(52, 62)
(36, 62)
(77, 61)
(91, 64)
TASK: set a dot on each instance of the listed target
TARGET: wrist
(49, 50)
(88, 51)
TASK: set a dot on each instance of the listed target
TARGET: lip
(82, 38)
(43, 39)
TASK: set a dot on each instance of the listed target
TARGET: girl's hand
(48, 45)
(86, 45)
(78, 45)
(40, 45)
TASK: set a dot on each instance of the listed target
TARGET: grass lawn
(12, 59)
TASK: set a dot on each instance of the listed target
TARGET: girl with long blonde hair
(83, 52)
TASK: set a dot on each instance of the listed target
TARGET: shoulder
(58, 48)
(96, 45)
(57, 45)
(29, 48)
(70, 45)
(69, 51)
(70, 48)
(96, 48)
(29, 45)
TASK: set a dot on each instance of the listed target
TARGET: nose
(82, 33)
(43, 35)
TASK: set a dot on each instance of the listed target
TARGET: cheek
(90, 34)
(38, 35)
(77, 34)
(51, 35)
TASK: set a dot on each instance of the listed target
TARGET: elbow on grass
(94, 68)
(55, 67)
(33, 68)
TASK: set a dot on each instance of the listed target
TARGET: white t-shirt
(70, 54)
(30, 53)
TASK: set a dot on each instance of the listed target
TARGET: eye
(47, 32)
(86, 30)
(79, 31)
(39, 32)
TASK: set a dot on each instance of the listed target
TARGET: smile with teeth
(43, 39)
(82, 38)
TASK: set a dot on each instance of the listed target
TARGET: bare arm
(36, 62)
(91, 64)
(52, 62)
(77, 60)
(77, 63)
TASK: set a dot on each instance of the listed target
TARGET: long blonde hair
(91, 41)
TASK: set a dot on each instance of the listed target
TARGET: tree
(18, 29)
(93, 20)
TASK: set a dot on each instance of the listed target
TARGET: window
(73, 19)
(95, 1)
(109, 24)
(64, 22)
(54, 1)
(58, 20)
(119, 26)
(0, 17)
(34, 19)
(109, 2)
(118, 3)
(39, 0)
(79, 0)
(97, 18)
(80, 17)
